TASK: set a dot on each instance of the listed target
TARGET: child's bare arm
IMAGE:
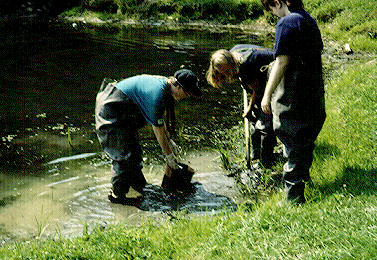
(277, 73)
(251, 103)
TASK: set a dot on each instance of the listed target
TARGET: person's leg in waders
(255, 136)
(296, 169)
(256, 144)
(116, 127)
(264, 140)
(268, 140)
(299, 146)
(126, 170)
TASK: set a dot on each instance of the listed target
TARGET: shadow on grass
(354, 180)
(197, 201)
(323, 151)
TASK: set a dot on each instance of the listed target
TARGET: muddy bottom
(73, 197)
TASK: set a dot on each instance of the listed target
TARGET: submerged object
(178, 181)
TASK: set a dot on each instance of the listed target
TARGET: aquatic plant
(42, 224)
(224, 156)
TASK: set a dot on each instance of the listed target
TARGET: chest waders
(117, 123)
(260, 136)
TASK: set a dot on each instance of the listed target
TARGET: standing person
(124, 107)
(245, 62)
(298, 103)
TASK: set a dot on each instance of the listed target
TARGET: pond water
(50, 73)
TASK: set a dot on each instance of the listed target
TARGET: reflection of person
(124, 107)
(245, 62)
(298, 104)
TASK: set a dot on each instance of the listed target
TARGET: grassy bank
(352, 22)
(336, 228)
(225, 11)
(341, 21)
(338, 222)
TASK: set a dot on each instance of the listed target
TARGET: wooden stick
(247, 130)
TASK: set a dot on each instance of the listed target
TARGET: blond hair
(218, 59)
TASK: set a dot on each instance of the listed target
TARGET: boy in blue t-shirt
(124, 107)
(298, 104)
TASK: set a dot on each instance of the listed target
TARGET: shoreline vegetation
(344, 22)
(339, 219)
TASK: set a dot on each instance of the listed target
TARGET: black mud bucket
(178, 181)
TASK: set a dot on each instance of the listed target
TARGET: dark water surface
(51, 71)
(49, 76)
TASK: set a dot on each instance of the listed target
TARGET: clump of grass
(225, 160)
(41, 223)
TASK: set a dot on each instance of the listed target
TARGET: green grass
(339, 227)
(346, 156)
(352, 22)
(342, 21)
(231, 11)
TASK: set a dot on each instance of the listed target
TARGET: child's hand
(266, 105)
(245, 113)
(172, 161)
(175, 148)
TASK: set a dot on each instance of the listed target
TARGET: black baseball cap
(188, 81)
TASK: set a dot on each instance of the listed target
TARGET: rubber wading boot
(115, 198)
(138, 182)
(295, 191)
(122, 199)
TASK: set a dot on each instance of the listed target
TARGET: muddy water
(73, 197)
(49, 76)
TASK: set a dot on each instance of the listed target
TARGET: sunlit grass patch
(346, 157)
(350, 22)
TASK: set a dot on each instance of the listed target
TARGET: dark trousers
(125, 175)
(117, 123)
(263, 139)
(298, 139)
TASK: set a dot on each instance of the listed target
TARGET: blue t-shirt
(301, 97)
(297, 35)
(148, 92)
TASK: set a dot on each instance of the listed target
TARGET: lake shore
(258, 27)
